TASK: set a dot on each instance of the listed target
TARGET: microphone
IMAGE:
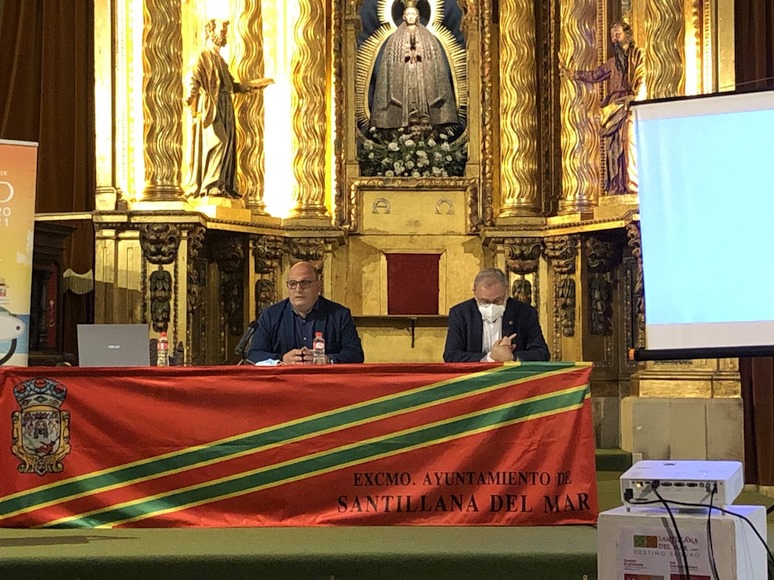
(245, 340)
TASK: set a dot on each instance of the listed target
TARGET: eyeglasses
(304, 284)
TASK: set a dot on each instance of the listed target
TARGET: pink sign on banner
(18, 172)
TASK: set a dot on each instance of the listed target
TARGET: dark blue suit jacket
(276, 332)
(466, 329)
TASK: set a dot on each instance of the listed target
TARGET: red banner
(297, 446)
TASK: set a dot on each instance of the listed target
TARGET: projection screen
(706, 195)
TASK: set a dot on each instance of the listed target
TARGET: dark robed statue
(413, 78)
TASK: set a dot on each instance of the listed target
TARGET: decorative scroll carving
(469, 16)
(579, 109)
(196, 241)
(487, 116)
(197, 269)
(249, 112)
(160, 295)
(266, 254)
(522, 255)
(339, 100)
(308, 108)
(197, 283)
(162, 55)
(160, 242)
(634, 241)
(469, 185)
(562, 252)
(518, 112)
(601, 258)
(521, 290)
(307, 249)
(664, 48)
(265, 295)
(230, 255)
(547, 18)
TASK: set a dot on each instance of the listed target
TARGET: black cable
(720, 509)
(677, 530)
(712, 562)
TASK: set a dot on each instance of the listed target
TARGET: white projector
(690, 482)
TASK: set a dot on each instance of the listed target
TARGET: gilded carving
(160, 295)
(470, 186)
(249, 112)
(381, 205)
(579, 109)
(487, 116)
(308, 106)
(160, 242)
(521, 290)
(665, 48)
(522, 255)
(197, 268)
(518, 110)
(635, 246)
(562, 252)
(229, 253)
(601, 258)
(265, 295)
(267, 253)
(339, 100)
(162, 60)
(307, 249)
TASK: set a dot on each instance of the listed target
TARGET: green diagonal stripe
(332, 420)
(275, 475)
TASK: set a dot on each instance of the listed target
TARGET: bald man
(286, 329)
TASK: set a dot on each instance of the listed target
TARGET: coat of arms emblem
(41, 430)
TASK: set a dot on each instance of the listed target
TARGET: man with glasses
(492, 327)
(286, 329)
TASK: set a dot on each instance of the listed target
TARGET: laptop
(113, 345)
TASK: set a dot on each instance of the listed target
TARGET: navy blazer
(466, 330)
(276, 332)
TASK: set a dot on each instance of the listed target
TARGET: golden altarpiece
(522, 180)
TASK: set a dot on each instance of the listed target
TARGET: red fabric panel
(412, 283)
(537, 468)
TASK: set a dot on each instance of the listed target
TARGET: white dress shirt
(492, 332)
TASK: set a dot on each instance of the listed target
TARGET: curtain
(46, 96)
(754, 48)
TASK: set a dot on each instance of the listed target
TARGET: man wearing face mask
(491, 327)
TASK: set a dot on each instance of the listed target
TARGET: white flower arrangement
(412, 154)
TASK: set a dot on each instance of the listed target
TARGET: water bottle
(162, 351)
(318, 349)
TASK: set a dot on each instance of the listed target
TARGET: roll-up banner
(18, 172)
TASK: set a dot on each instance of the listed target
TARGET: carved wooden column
(249, 109)
(162, 99)
(196, 307)
(664, 48)
(579, 106)
(635, 246)
(160, 243)
(518, 111)
(562, 253)
(229, 254)
(308, 107)
(487, 115)
(267, 261)
(602, 256)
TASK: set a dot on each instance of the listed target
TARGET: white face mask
(491, 312)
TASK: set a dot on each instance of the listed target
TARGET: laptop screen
(113, 345)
